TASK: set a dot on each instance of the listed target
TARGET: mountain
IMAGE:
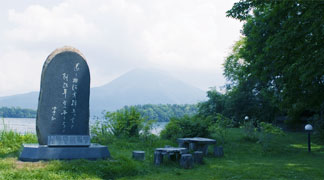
(27, 100)
(144, 87)
(138, 86)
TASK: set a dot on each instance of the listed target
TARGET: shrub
(262, 133)
(127, 122)
(101, 133)
(187, 126)
(218, 128)
(250, 130)
(147, 127)
(10, 141)
(267, 134)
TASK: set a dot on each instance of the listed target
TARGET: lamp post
(309, 129)
(246, 118)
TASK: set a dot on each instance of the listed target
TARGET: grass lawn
(286, 158)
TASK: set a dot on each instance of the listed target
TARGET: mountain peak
(146, 86)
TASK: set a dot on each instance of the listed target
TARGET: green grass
(287, 158)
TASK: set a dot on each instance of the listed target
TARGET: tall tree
(281, 53)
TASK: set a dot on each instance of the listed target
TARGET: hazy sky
(189, 39)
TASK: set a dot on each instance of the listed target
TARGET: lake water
(28, 125)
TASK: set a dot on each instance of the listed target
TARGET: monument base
(36, 152)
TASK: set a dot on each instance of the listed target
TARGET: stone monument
(62, 122)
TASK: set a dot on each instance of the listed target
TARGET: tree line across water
(163, 112)
(17, 112)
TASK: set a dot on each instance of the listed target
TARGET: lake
(28, 125)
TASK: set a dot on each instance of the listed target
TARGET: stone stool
(139, 155)
(186, 161)
(218, 151)
(198, 157)
(158, 158)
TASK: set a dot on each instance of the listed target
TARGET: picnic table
(196, 143)
(173, 153)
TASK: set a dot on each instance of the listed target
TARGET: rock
(218, 151)
(186, 161)
(198, 157)
(139, 155)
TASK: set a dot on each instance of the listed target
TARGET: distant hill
(132, 88)
(27, 100)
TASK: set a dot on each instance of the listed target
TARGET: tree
(246, 95)
(214, 105)
(281, 54)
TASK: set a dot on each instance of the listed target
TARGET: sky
(188, 39)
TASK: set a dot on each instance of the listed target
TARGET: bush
(11, 142)
(127, 122)
(101, 133)
(267, 134)
(186, 126)
(146, 130)
(218, 127)
(262, 133)
(250, 130)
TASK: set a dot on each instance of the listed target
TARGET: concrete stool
(198, 157)
(158, 158)
(218, 151)
(139, 155)
(186, 161)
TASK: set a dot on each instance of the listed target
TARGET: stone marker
(62, 122)
(63, 104)
(139, 155)
(198, 157)
(186, 161)
(218, 151)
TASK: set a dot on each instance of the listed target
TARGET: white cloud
(39, 24)
(188, 38)
(19, 72)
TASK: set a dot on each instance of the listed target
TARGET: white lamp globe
(308, 127)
